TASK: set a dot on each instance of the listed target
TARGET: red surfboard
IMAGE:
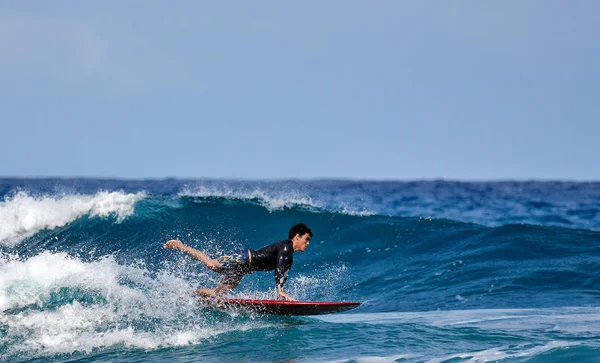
(279, 307)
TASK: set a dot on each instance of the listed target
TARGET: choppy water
(446, 271)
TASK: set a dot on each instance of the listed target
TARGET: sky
(379, 90)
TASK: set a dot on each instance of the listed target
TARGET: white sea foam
(375, 359)
(505, 352)
(362, 212)
(276, 200)
(487, 355)
(23, 215)
(323, 283)
(269, 199)
(109, 304)
(566, 320)
(30, 282)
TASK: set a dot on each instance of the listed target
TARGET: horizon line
(310, 179)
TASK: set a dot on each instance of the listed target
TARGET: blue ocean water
(446, 271)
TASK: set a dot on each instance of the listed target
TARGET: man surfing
(277, 256)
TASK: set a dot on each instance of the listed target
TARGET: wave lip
(275, 199)
(268, 199)
(23, 215)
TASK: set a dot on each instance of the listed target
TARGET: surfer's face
(301, 242)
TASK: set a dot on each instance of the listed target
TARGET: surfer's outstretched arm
(198, 255)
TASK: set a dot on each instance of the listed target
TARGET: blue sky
(468, 90)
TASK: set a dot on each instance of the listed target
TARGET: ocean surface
(446, 271)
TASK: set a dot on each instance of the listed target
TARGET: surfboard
(279, 307)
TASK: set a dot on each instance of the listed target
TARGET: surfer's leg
(222, 289)
(205, 292)
(197, 254)
(228, 282)
(207, 261)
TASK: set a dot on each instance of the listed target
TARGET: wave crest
(54, 303)
(275, 199)
(23, 215)
(271, 200)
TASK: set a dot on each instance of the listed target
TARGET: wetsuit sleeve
(284, 262)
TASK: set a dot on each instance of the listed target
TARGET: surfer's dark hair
(299, 229)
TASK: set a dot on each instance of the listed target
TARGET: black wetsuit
(278, 256)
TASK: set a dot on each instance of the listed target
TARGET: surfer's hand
(174, 243)
(286, 296)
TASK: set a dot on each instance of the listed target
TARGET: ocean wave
(520, 351)
(444, 272)
(54, 303)
(268, 199)
(22, 215)
(273, 199)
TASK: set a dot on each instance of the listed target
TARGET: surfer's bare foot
(174, 243)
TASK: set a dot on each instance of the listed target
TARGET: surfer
(277, 256)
